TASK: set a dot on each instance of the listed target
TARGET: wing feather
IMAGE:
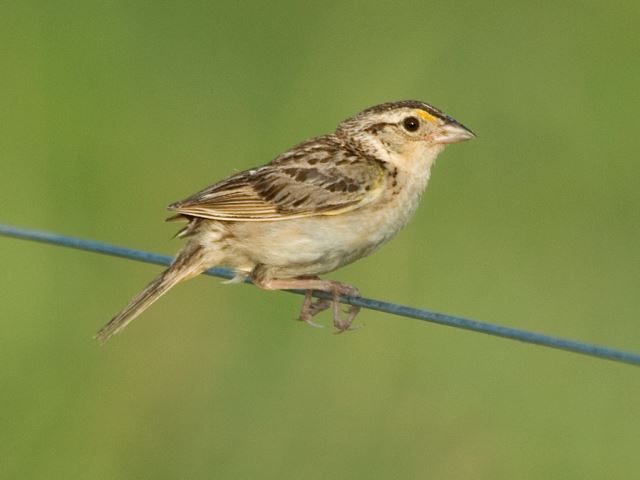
(315, 178)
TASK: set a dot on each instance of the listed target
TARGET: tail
(190, 262)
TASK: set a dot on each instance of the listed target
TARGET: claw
(339, 290)
(310, 309)
(348, 328)
(308, 321)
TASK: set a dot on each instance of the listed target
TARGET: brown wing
(314, 178)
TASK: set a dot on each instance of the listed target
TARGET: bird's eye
(411, 124)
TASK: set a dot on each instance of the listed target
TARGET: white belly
(322, 243)
(319, 244)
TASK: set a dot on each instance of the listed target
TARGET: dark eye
(411, 124)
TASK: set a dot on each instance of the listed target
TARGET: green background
(111, 110)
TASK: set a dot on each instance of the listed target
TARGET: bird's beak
(453, 132)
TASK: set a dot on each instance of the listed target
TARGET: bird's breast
(322, 243)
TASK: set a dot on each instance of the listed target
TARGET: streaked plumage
(322, 204)
(318, 177)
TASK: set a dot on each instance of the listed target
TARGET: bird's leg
(309, 308)
(340, 290)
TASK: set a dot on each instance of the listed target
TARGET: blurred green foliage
(111, 110)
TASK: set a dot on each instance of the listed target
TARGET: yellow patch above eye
(427, 116)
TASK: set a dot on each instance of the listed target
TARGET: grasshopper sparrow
(325, 203)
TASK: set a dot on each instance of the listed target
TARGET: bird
(320, 205)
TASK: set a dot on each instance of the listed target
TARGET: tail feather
(189, 263)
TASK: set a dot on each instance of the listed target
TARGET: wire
(394, 309)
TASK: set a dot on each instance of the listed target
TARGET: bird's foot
(340, 290)
(311, 308)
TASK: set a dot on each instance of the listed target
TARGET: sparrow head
(407, 128)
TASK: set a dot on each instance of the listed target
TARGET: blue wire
(394, 309)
